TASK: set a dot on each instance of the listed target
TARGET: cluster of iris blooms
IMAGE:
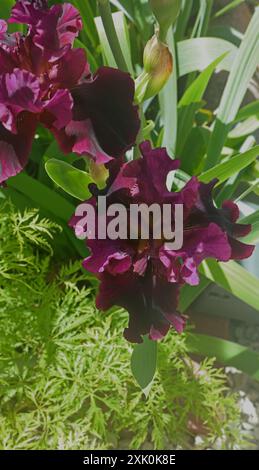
(44, 80)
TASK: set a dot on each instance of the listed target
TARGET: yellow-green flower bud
(158, 66)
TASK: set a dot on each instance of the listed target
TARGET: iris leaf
(73, 181)
(189, 294)
(252, 219)
(191, 102)
(197, 54)
(197, 89)
(226, 352)
(143, 363)
(251, 109)
(234, 279)
(126, 8)
(225, 170)
(228, 8)
(123, 36)
(168, 102)
(43, 196)
(6, 8)
(243, 69)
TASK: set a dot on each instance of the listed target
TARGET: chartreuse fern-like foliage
(65, 378)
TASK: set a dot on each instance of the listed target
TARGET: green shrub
(65, 376)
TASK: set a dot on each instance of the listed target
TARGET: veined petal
(69, 24)
(107, 256)
(53, 29)
(56, 30)
(58, 110)
(70, 69)
(19, 91)
(28, 11)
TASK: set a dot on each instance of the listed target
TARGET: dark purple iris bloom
(145, 276)
(44, 80)
(206, 212)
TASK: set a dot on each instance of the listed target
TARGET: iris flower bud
(158, 66)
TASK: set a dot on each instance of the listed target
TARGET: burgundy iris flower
(226, 218)
(44, 80)
(145, 276)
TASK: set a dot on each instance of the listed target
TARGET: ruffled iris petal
(15, 148)
(150, 303)
(53, 30)
(107, 101)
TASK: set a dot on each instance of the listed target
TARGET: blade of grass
(228, 8)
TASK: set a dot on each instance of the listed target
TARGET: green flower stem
(106, 15)
(162, 35)
(140, 136)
